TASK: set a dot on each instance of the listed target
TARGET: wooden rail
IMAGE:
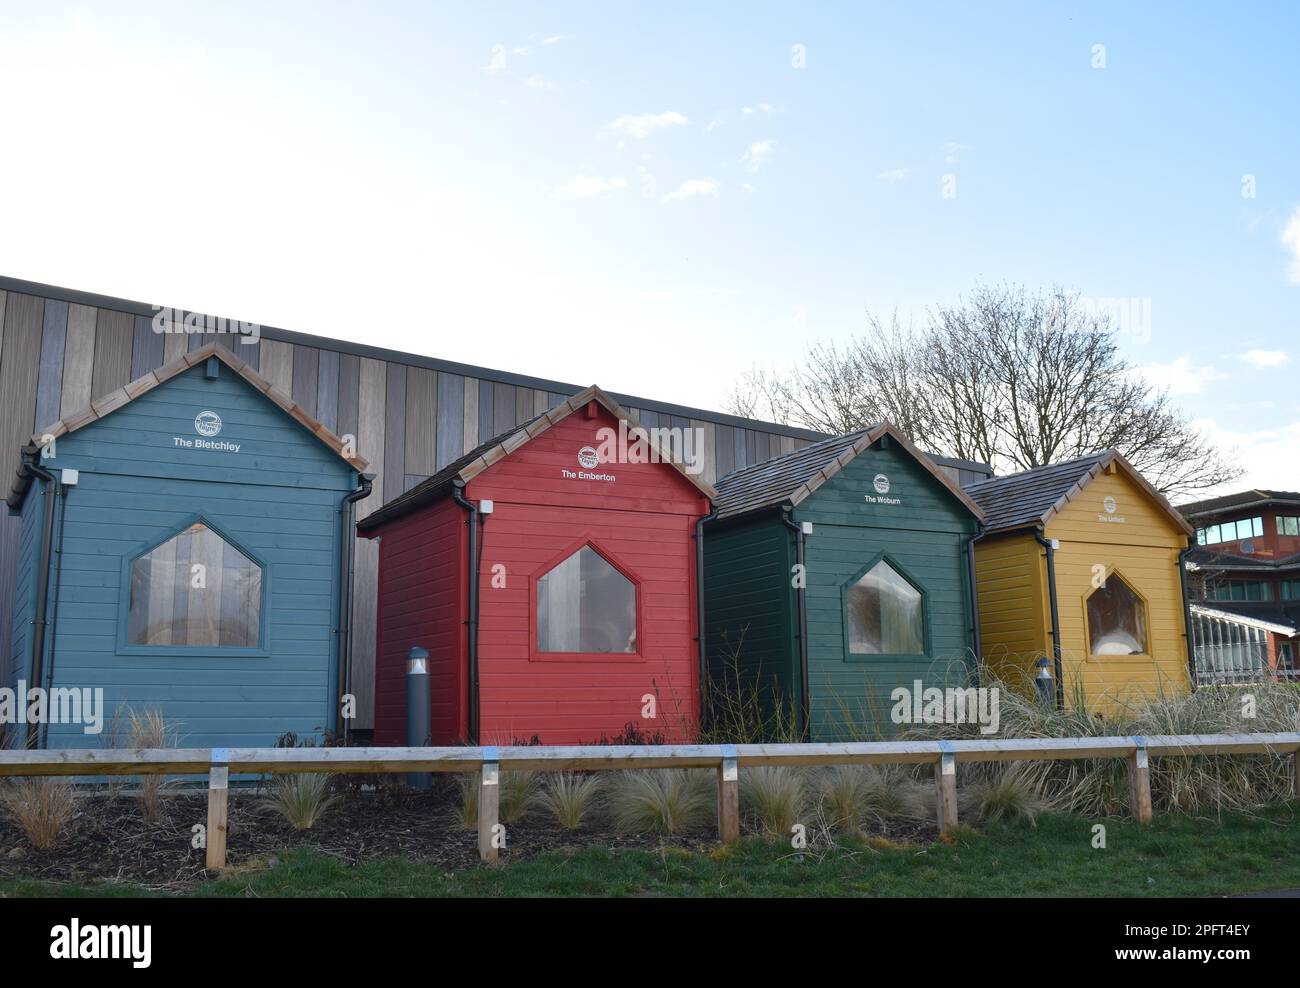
(489, 762)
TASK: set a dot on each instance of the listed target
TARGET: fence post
(945, 788)
(489, 803)
(1139, 778)
(728, 796)
(218, 807)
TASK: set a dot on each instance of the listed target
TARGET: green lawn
(1175, 856)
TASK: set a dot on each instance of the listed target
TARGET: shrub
(569, 797)
(892, 794)
(41, 807)
(843, 794)
(1097, 787)
(301, 798)
(520, 794)
(1010, 795)
(773, 797)
(664, 801)
(741, 706)
(150, 729)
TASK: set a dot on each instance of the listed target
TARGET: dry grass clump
(774, 798)
(520, 794)
(662, 801)
(301, 798)
(42, 807)
(151, 729)
(570, 797)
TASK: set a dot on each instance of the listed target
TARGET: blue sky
(656, 198)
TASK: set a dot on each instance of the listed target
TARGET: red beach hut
(551, 574)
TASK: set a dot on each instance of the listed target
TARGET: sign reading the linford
(1109, 504)
(881, 484)
(208, 425)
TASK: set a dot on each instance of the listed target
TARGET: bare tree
(1005, 377)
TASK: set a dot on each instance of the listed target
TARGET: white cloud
(536, 81)
(1291, 241)
(1265, 358)
(694, 188)
(1180, 377)
(757, 108)
(952, 151)
(591, 186)
(747, 187)
(894, 175)
(553, 39)
(1270, 457)
(644, 124)
(757, 154)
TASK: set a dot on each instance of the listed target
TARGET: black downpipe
(1056, 616)
(31, 468)
(701, 639)
(801, 598)
(458, 495)
(342, 727)
(1187, 613)
(974, 600)
(58, 589)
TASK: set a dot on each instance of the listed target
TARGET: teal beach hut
(182, 550)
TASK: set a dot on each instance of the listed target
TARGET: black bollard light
(417, 709)
(1043, 681)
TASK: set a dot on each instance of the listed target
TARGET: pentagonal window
(586, 605)
(195, 589)
(1117, 620)
(884, 614)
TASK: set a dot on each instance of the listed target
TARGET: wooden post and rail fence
(489, 762)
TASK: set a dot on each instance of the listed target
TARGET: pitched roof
(1242, 499)
(792, 477)
(1029, 499)
(111, 402)
(483, 456)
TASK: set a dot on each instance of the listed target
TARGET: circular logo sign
(881, 483)
(207, 423)
(1109, 504)
(587, 457)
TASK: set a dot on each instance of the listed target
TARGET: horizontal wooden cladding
(188, 761)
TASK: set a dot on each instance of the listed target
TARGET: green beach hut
(833, 575)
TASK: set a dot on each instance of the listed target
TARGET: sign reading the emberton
(588, 457)
(881, 485)
(208, 425)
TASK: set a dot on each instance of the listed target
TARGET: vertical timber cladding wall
(1138, 542)
(919, 527)
(59, 350)
(271, 491)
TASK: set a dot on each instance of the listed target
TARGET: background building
(1244, 580)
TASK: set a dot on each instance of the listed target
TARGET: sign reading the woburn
(880, 483)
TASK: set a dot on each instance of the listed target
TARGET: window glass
(195, 589)
(884, 614)
(1116, 620)
(585, 605)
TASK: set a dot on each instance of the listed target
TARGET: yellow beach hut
(1081, 564)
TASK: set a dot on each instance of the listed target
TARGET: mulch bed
(108, 840)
